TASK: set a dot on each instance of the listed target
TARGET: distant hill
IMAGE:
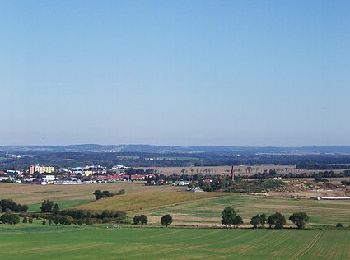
(303, 150)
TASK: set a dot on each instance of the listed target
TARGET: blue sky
(175, 72)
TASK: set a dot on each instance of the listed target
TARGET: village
(269, 180)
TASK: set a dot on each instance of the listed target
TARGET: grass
(185, 207)
(150, 200)
(35, 241)
(34, 193)
(51, 242)
(208, 211)
(63, 204)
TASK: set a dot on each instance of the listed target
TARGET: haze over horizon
(250, 73)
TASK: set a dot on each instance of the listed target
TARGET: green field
(35, 241)
(208, 211)
(51, 242)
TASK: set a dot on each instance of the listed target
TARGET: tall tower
(232, 174)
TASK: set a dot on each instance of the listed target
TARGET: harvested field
(33, 193)
(147, 200)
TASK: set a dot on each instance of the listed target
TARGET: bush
(140, 220)
(10, 218)
(78, 217)
(102, 194)
(49, 206)
(339, 225)
(8, 204)
(66, 220)
(120, 192)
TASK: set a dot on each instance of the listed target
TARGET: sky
(188, 72)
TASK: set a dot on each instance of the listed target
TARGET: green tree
(299, 219)
(98, 194)
(263, 219)
(277, 221)
(136, 220)
(258, 220)
(228, 216)
(166, 220)
(140, 220)
(255, 221)
(25, 220)
(237, 221)
(47, 206)
(143, 220)
(56, 209)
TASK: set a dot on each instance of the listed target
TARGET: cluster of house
(89, 174)
(43, 174)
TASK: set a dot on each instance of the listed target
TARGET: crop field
(147, 200)
(51, 242)
(187, 208)
(68, 195)
(36, 241)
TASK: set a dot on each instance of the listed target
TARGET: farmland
(208, 211)
(196, 211)
(29, 193)
(148, 200)
(187, 208)
(51, 242)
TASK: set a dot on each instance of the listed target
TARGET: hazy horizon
(169, 145)
(232, 73)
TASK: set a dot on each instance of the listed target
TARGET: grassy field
(35, 241)
(208, 211)
(148, 200)
(185, 207)
(51, 242)
(33, 193)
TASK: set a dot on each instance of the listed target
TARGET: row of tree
(8, 204)
(276, 220)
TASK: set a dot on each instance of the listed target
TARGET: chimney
(232, 174)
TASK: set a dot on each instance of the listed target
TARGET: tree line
(229, 218)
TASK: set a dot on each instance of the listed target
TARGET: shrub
(8, 204)
(339, 225)
(10, 218)
(140, 220)
(49, 206)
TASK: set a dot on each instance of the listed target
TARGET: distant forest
(22, 159)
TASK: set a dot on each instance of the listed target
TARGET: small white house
(49, 178)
